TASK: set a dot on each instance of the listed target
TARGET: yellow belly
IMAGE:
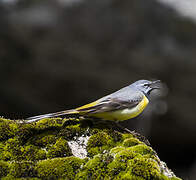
(124, 114)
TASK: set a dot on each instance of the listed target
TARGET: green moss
(142, 149)
(23, 131)
(74, 128)
(71, 131)
(131, 142)
(59, 168)
(22, 169)
(23, 178)
(144, 168)
(108, 165)
(121, 159)
(4, 168)
(13, 126)
(122, 163)
(12, 150)
(32, 153)
(114, 155)
(128, 176)
(125, 155)
(5, 130)
(1, 149)
(117, 137)
(116, 149)
(59, 149)
(95, 168)
(98, 143)
(43, 139)
(126, 136)
(10, 128)
(49, 123)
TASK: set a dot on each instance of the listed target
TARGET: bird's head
(146, 86)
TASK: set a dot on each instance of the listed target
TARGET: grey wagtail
(121, 105)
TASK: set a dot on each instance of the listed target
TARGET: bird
(124, 104)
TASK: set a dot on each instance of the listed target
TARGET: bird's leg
(123, 128)
(135, 134)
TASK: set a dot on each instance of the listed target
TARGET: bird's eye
(146, 85)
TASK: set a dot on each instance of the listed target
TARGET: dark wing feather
(111, 104)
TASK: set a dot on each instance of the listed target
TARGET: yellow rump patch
(87, 105)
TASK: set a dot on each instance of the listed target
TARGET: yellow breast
(124, 114)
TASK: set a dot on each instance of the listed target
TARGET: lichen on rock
(55, 148)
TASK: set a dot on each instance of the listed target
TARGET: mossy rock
(22, 169)
(55, 148)
(4, 168)
(59, 149)
(56, 168)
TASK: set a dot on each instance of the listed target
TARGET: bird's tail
(51, 115)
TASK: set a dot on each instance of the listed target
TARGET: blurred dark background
(56, 55)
